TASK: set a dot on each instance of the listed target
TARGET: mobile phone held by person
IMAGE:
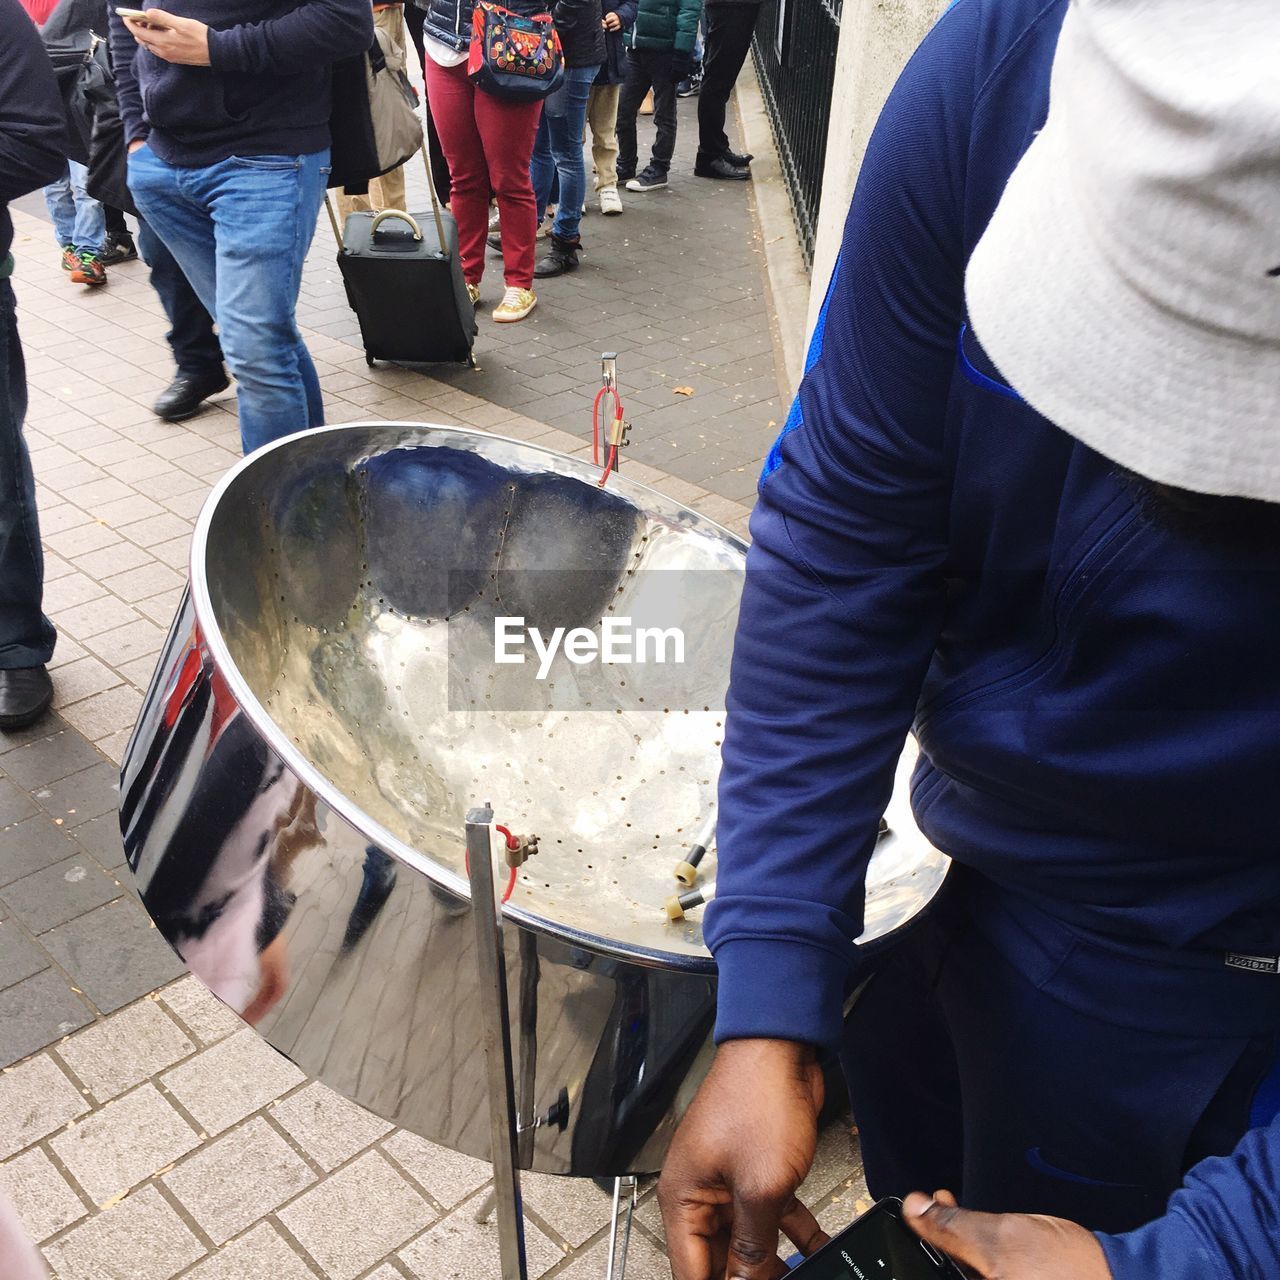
(878, 1246)
(138, 15)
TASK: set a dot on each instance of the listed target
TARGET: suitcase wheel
(368, 359)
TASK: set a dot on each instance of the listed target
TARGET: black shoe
(625, 172)
(182, 398)
(118, 247)
(720, 168)
(25, 694)
(739, 159)
(495, 241)
(690, 87)
(562, 256)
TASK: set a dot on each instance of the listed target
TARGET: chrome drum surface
(328, 707)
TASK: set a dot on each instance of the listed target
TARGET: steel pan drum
(327, 708)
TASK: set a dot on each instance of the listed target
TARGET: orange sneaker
(70, 258)
(89, 270)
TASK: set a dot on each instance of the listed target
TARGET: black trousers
(196, 349)
(413, 20)
(647, 69)
(726, 40)
(967, 1070)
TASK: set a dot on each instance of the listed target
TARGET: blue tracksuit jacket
(1097, 698)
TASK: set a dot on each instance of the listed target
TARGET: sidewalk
(151, 1136)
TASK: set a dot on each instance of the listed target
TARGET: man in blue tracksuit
(1088, 1022)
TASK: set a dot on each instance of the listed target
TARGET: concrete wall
(876, 39)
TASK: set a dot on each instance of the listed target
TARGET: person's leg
(542, 166)
(602, 114)
(114, 220)
(91, 221)
(630, 96)
(264, 211)
(26, 635)
(348, 205)
(566, 145)
(507, 130)
(452, 99)
(728, 29)
(62, 210)
(196, 350)
(664, 113)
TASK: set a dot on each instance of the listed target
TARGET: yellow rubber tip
(687, 874)
(673, 908)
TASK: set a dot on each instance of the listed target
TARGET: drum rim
(350, 812)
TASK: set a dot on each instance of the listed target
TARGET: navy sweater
(1097, 698)
(32, 121)
(266, 91)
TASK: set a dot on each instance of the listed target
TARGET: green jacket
(666, 24)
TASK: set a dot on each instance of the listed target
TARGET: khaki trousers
(602, 117)
(386, 192)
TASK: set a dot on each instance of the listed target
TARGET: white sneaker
(493, 219)
(610, 201)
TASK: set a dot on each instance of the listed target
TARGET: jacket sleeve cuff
(775, 990)
(225, 51)
(1170, 1247)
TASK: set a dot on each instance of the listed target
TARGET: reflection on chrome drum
(327, 709)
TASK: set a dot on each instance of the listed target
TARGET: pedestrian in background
(557, 152)
(387, 191)
(489, 144)
(660, 55)
(727, 29)
(228, 165)
(32, 146)
(602, 104)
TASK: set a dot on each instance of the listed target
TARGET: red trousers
(488, 144)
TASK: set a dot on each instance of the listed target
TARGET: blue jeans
(78, 219)
(26, 635)
(240, 230)
(558, 151)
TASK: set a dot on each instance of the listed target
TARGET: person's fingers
(753, 1240)
(968, 1237)
(802, 1229)
(946, 1198)
(692, 1223)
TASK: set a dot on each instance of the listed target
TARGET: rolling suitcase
(404, 281)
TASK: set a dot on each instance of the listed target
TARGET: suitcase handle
(404, 217)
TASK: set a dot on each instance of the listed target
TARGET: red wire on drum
(513, 844)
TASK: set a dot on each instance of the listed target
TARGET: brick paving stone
(36, 1098)
(260, 1254)
(447, 1176)
(15, 804)
(41, 1195)
(137, 639)
(129, 1140)
(645, 1261)
(238, 1179)
(459, 1248)
(141, 1238)
(101, 838)
(201, 1012)
(326, 1126)
(231, 1080)
(82, 679)
(115, 559)
(95, 616)
(105, 713)
(59, 893)
(19, 955)
(357, 1216)
(124, 1049)
(84, 795)
(575, 1209)
(31, 846)
(116, 953)
(37, 1011)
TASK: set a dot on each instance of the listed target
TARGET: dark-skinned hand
(729, 1182)
(1005, 1246)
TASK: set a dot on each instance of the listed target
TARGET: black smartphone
(878, 1246)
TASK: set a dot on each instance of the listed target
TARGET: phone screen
(878, 1246)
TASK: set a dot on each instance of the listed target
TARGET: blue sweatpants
(1033, 1069)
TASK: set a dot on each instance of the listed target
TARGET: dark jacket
(666, 24)
(1095, 693)
(32, 129)
(614, 70)
(581, 35)
(449, 21)
(266, 92)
